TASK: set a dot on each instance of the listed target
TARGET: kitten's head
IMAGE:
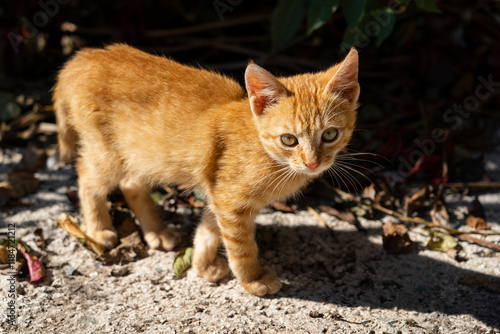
(305, 120)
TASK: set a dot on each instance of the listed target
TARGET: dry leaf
(477, 223)
(369, 192)
(396, 239)
(131, 248)
(69, 224)
(3, 254)
(40, 242)
(476, 217)
(347, 216)
(36, 268)
(282, 207)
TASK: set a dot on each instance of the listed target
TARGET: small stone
(316, 314)
(72, 271)
(120, 271)
(20, 290)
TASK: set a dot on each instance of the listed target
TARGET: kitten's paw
(107, 238)
(212, 272)
(165, 239)
(268, 284)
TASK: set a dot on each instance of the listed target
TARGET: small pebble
(71, 271)
(120, 271)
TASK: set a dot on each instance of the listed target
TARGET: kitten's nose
(312, 166)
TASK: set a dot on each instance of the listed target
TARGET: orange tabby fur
(139, 120)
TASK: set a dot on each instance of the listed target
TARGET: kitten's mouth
(312, 173)
(315, 173)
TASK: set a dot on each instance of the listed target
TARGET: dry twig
(454, 232)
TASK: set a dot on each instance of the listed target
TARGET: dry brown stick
(484, 243)
(418, 220)
(342, 194)
(207, 26)
(481, 184)
(316, 214)
(257, 53)
(439, 193)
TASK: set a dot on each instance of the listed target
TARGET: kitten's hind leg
(92, 191)
(207, 240)
(138, 198)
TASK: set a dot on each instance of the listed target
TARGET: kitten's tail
(66, 134)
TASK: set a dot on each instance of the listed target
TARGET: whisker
(268, 176)
(354, 165)
(358, 172)
(360, 160)
(283, 179)
(288, 178)
(348, 177)
(271, 175)
(333, 169)
(365, 154)
(332, 176)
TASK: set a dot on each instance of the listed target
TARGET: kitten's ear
(263, 88)
(345, 79)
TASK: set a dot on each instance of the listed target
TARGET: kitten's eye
(329, 135)
(289, 140)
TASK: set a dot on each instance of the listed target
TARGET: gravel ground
(339, 282)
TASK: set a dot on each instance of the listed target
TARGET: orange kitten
(139, 120)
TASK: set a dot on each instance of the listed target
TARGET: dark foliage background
(411, 82)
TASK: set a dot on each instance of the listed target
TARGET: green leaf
(353, 11)
(403, 2)
(354, 37)
(442, 242)
(386, 24)
(183, 261)
(156, 196)
(200, 195)
(9, 109)
(428, 5)
(285, 22)
(319, 12)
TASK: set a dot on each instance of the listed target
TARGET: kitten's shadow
(351, 270)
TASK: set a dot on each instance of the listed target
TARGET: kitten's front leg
(238, 233)
(207, 240)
